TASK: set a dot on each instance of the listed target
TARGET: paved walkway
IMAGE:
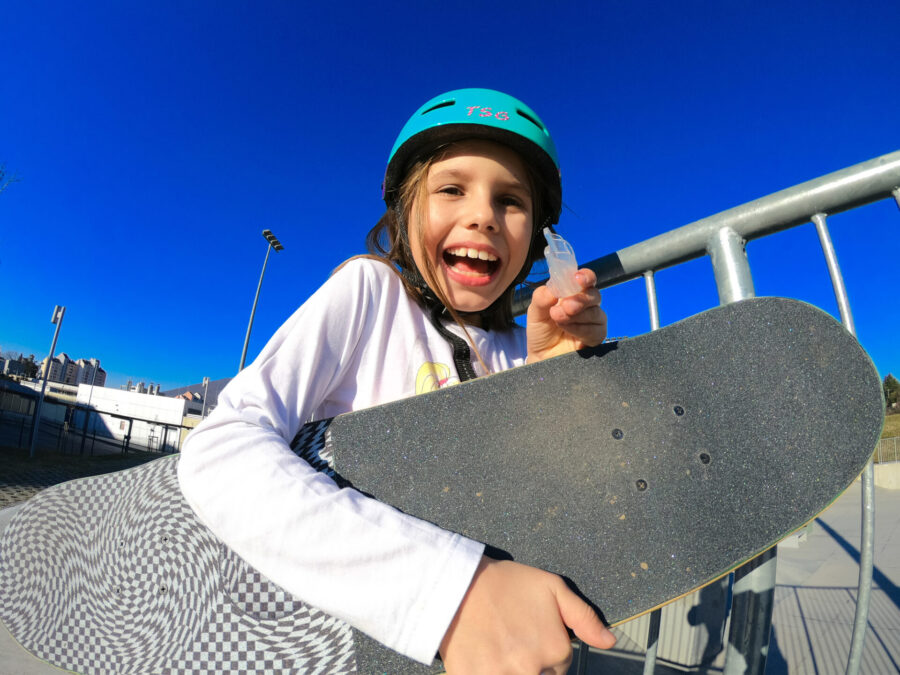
(21, 477)
(817, 577)
(816, 590)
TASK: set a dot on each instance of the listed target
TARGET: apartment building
(66, 371)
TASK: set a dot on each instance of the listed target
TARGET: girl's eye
(512, 200)
(449, 190)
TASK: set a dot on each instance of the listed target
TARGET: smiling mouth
(471, 262)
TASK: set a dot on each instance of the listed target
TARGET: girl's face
(478, 223)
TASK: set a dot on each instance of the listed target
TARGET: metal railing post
(867, 537)
(753, 602)
(754, 583)
(834, 271)
(650, 283)
(655, 615)
(730, 266)
(652, 642)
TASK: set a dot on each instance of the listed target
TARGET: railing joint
(726, 249)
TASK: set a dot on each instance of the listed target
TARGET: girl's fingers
(542, 299)
(590, 314)
(557, 326)
(586, 278)
(576, 303)
(583, 620)
(587, 336)
(588, 326)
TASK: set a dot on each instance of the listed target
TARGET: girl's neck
(471, 318)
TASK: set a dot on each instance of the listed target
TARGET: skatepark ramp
(723, 238)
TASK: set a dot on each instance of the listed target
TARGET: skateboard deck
(639, 470)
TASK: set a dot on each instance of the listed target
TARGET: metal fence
(75, 430)
(887, 450)
(723, 238)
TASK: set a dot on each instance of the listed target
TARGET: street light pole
(273, 243)
(205, 390)
(58, 312)
(87, 411)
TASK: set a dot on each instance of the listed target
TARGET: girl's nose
(482, 215)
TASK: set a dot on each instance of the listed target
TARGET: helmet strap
(462, 355)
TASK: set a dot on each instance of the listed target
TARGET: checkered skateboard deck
(628, 468)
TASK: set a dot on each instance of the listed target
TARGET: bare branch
(7, 179)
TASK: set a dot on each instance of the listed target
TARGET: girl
(470, 183)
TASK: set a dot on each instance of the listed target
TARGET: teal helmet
(478, 113)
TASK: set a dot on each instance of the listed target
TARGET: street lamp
(273, 243)
(205, 390)
(58, 313)
(95, 366)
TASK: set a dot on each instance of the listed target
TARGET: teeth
(463, 252)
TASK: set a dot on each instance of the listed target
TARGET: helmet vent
(532, 120)
(442, 104)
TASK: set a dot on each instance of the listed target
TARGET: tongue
(471, 265)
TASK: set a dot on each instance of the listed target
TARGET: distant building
(21, 367)
(12, 367)
(57, 390)
(141, 388)
(55, 369)
(152, 422)
(90, 372)
(194, 394)
(65, 370)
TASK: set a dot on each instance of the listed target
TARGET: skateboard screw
(163, 589)
(679, 410)
(641, 485)
(704, 458)
(617, 434)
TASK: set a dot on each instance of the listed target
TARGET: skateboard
(639, 470)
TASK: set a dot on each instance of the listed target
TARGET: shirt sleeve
(392, 576)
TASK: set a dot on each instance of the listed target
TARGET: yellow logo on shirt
(433, 376)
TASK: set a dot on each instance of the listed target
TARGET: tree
(31, 368)
(6, 178)
(891, 390)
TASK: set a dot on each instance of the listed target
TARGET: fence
(887, 450)
(76, 430)
(16, 403)
(723, 238)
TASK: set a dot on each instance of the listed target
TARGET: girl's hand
(513, 620)
(558, 326)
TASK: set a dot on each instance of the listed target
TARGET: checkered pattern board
(114, 574)
(313, 444)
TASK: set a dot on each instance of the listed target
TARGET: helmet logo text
(487, 112)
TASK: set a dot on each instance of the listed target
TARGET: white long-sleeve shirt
(359, 341)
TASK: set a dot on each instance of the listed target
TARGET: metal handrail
(833, 193)
(723, 238)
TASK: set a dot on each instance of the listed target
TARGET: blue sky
(155, 141)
